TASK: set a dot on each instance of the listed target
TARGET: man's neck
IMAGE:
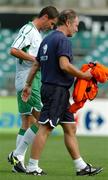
(62, 29)
(37, 23)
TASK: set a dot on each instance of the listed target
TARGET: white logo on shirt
(45, 47)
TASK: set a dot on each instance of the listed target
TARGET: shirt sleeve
(64, 48)
(23, 39)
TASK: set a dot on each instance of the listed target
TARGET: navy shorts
(55, 101)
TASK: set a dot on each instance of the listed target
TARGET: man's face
(73, 27)
(49, 23)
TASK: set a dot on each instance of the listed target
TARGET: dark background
(15, 20)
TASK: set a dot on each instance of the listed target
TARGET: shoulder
(61, 37)
(26, 29)
(56, 36)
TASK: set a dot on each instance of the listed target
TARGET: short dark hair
(51, 11)
(66, 15)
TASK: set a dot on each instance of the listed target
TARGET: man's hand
(87, 74)
(26, 93)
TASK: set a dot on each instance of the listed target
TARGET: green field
(55, 159)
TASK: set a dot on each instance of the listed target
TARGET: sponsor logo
(9, 120)
(93, 120)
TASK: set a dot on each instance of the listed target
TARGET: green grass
(55, 159)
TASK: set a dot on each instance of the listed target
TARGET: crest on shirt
(45, 47)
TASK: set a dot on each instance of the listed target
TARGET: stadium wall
(17, 20)
(91, 119)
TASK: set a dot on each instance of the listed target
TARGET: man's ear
(45, 16)
(67, 22)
